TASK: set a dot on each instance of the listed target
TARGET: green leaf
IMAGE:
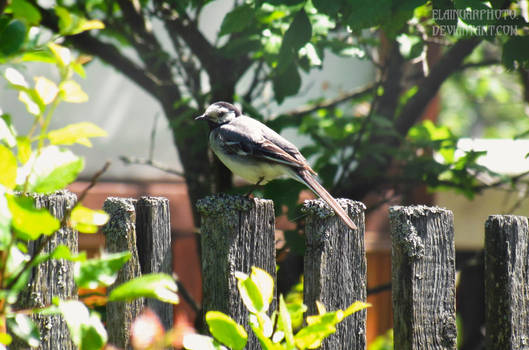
(87, 220)
(12, 37)
(355, 307)
(29, 222)
(285, 323)
(256, 290)
(60, 252)
(46, 89)
(61, 53)
(76, 133)
(5, 221)
(26, 11)
(24, 328)
(15, 78)
(52, 170)
(94, 334)
(15, 262)
(8, 164)
(287, 83)
(201, 342)
(100, 271)
(516, 51)
(226, 330)
(367, 13)
(237, 20)
(32, 101)
(7, 131)
(24, 149)
(5, 338)
(72, 92)
(157, 286)
(410, 46)
(298, 33)
(86, 330)
(71, 24)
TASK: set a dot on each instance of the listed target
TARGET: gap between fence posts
(120, 235)
(423, 277)
(51, 278)
(335, 269)
(237, 233)
(507, 282)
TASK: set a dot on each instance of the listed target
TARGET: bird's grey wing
(244, 140)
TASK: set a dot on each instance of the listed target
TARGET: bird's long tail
(305, 177)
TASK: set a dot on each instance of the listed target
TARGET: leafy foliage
(276, 332)
(39, 163)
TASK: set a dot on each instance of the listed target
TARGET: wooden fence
(238, 233)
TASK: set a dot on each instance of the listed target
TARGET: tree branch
(329, 103)
(157, 165)
(448, 64)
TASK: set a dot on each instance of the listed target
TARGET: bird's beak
(200, 117)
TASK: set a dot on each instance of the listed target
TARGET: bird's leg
(254, 187)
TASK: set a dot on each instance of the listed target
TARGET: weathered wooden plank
(53, 277)
(153, 234)
(237, 233)
(423, 277)
(507, 282)
(120, 234)
(335, 269)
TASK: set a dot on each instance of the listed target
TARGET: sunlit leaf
(201, 342)
(85, 25)
(355, 307)
(7, 131)
(46, 89)
(5, 221)
(99, 271)
(285, 323)
(226, 330)
(8, 164)
(86, 330)
(5, 338)
(23, 148)
(72, 92)
(53, 169)
(16, 78)
(256, 290)
(76, 133)
(63, 54)
(30, 100)
(157, 286)
(23, 327)
(28, 221)
(87, 220)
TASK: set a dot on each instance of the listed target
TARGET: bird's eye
(221, 114)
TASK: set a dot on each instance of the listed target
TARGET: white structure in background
(127, 112)
(504, 156)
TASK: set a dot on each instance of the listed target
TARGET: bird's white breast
(251, 170)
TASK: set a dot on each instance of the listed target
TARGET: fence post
(335, 269)
(53, 277)
(120, 234)
(237, 233)
(153, 234)
(507, 282)
(423, 277)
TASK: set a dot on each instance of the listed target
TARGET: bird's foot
(249, 195)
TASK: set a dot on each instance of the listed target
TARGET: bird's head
(220, 113)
